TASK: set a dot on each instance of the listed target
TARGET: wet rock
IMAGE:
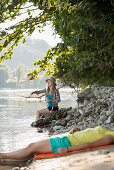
(103, 112)
(55, 128)
(76, 116)
(64, 122)
(90, 118)
(80, 119)
(58, 116)
(112, 107)
(58, 132)
(15, 168)
(91, 95)
(109, 113)
(86, 94)
(86, 102)
(51, 130)
(103, 118)
(64, 114)
(104, 151)
(80, 123)
(110, 119)
(69, 108)
(58, 122)
(73, 110)
(40, 131)
(68, 118)
(80, 111)
(33, 124)
(87, 113)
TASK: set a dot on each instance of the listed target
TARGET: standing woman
(52, 97)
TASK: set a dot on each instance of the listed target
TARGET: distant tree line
(17, 78)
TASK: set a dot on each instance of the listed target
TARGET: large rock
(110, 119)
(103, 118)
(86, 102)
(112, 107)
(86, 94)
(55, 128)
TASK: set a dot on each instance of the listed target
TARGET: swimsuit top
(89, 135)
(50, 104)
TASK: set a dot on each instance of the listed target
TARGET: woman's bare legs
(10, 162)
(41, 112)
(27, 152)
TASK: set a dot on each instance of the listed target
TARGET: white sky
(46, 35)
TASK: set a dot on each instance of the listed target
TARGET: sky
(46, 35)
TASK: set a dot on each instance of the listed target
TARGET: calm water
(17, 113)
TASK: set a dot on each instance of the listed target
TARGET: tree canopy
(85, 55)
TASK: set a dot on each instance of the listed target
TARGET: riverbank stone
(97, 109)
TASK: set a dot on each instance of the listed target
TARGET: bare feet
(10, 162)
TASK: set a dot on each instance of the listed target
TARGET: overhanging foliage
(86, 29)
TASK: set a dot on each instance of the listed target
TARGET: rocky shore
(97, 109)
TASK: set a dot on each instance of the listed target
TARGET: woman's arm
(105, 140)
(74, 130)
(38, 92)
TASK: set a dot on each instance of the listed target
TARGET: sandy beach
(89, 160)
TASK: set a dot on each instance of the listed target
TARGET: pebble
(40, 130)
(15, 168)
(104, 151)
(57, 128)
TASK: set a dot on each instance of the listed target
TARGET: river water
(17, 113)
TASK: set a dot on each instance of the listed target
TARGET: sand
(89, 160)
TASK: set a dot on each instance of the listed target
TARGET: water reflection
(16, 115)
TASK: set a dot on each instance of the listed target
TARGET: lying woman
(75, 140)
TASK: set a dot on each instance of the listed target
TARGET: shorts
(52, 108)
(59, 142)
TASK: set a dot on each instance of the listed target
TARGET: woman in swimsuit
(75, 140)
(52, 97)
